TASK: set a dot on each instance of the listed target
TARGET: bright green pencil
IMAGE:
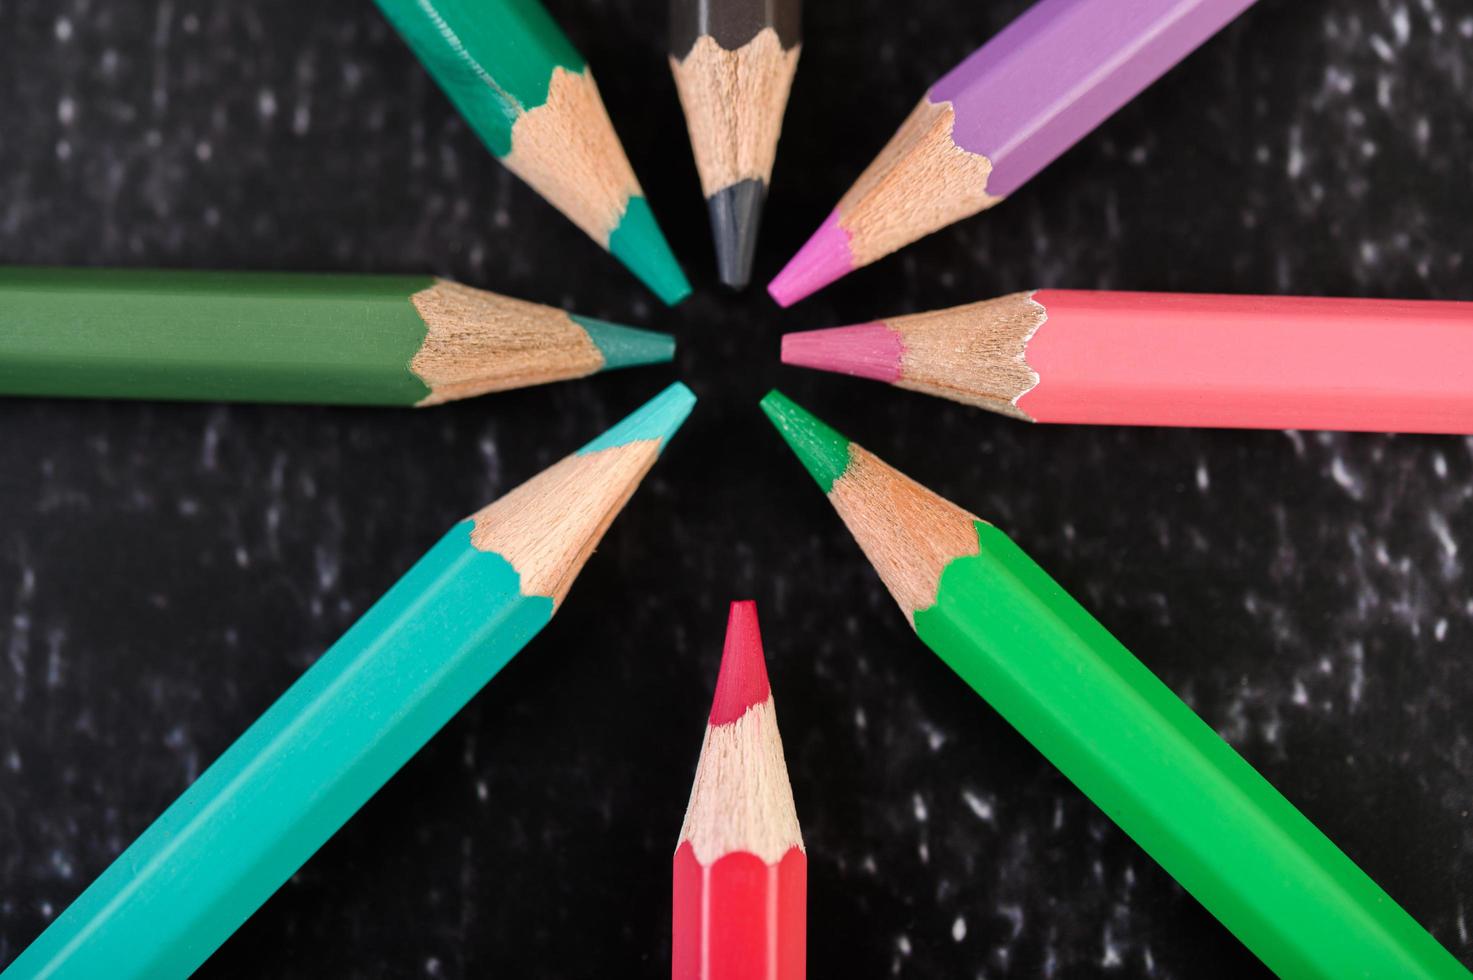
(348, 724)
(526, 91)
(1112, 727)
(290, 337)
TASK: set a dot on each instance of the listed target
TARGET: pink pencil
(1108, 358)
(1003, 114)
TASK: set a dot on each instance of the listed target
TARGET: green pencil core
(821, 450)
(637, 242)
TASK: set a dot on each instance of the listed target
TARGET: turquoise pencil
(348, 724)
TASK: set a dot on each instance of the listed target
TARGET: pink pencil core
(742, 681)
(822, 259)
(869, 350)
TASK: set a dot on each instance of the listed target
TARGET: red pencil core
(742, 681)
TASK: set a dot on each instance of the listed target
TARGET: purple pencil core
(868, 350)
(822, 259)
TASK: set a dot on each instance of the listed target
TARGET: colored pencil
(740, 874)
(290, 337)
(1110, 726)
(528, 94)
(1002, 115)
(1270, 362)
(733, 62)
(348, 724)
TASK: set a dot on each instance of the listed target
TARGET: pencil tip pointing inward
(623, 346)
(868, 350)
(659, 418)
(824, 258)
(821, 450)
(742, 681)
(736, 216)
(638, 242)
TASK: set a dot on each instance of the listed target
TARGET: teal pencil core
(626, 346)
(658, 418)
(637, 242)
(296, 775)
(821, 450)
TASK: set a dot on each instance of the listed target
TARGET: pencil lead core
(742, 682)
(623, 346)
(736, 215)
(821, 450)
(658, 418)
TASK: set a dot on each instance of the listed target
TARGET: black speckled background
(167, 570)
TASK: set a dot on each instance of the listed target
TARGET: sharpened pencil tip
(869, 350)
(659, 418)
(639, 244)
(736, 216)
(821, 450)
(823, 258)
(623, 346)
(742, 681)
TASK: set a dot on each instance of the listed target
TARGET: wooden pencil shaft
(287, 337)
(1109, 725)
(732, 23)
(527, 93)
(306, 765)
(991, 123)
(1164, 776)
(298, 773)
(1123, 358)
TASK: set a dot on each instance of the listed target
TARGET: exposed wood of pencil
(222, 336)
(1100, 357)
(740, 870)
(1109, 725)
(733, 62)
(996, 119)
(352, 720)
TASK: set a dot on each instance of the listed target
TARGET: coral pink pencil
(740, 871)
(1111, 358)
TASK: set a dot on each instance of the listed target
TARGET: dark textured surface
(167, 570)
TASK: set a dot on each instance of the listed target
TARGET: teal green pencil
(1109, 725)
(526, 91)
(290, 337)
(357, 715)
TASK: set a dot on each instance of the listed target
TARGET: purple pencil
(998, 118)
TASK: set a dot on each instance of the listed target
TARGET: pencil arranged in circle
(528, 94)
(1002, 115)
(1113, 358)
(358, 714)
(733, 62)
(740, 872)
(291, 337)
(1110, 726)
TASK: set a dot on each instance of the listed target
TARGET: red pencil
(1258, 362)
(740, 871)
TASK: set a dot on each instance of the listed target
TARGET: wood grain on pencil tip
(1109, 725)
(1119, 358)
(296, 775)
(739, 876)
(992, 122)
(733, 62)
(528, 94)
(291, 337)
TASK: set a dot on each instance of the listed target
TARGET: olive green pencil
(290, 337)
